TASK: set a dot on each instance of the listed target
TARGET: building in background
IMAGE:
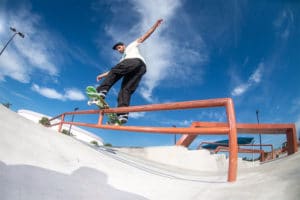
(77, 132)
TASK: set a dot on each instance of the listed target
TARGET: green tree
(94, 142)
(7, 105)
(66, 132)
(45, 121)
(108, 145)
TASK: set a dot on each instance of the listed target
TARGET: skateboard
(94, 98)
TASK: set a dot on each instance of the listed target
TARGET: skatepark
(39, 163)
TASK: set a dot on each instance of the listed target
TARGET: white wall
(78, 133)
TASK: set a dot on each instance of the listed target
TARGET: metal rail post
(232, 141)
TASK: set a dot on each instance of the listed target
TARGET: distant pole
(72, 120)
(12, 37)
(174, 135)
(257, 112)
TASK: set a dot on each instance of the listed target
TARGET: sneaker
(94, 95)
(123, 118)
(102, 94)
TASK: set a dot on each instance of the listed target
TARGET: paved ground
(38, 163)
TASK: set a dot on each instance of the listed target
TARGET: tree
(45, 121)
(66, 132)
(94, 142)
(108, 145)
(7, 105)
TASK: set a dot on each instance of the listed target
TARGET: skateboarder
(131, 68)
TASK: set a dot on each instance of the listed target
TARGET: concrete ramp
(39, 163)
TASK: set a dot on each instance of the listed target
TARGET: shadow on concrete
(34, 183)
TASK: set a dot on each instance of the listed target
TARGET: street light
(174, 135)
(72, 120)
(12, 37)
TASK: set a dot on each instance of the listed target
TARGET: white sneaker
(102, 94)
(123, 118)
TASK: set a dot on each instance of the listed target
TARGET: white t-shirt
(132, 51)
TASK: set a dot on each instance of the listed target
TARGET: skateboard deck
(94, 98)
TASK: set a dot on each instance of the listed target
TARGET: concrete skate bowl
(39, 163)
(230, 127)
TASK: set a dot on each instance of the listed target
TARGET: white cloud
(283, 23)
(70, 94)
(253, 80)
(176, 123)
(256, 76)
(1, 23)
(2, 16)
(212, 115)
(295, 105)
(74, 94)
(298, 126)
(167, 57)
(23, 56)
(185, 123)
(137, 115)
(240, 89)
(297, 123)
(12, 66)
(47, 92)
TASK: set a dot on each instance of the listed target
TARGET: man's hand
(158, 22)
(100, 76)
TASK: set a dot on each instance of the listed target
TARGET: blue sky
(246, 50)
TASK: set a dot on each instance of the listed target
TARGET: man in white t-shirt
(131, 68)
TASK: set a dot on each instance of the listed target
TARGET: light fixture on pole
(12, 37)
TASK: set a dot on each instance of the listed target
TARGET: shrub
(94, 142)
(108, 145)
(66, 132)
(44, 121)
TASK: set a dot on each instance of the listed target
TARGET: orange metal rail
(228, 128)
(288, 129)
(221, 147)
(242, 150)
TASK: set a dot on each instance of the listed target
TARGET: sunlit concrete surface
(39, 163)
(76, 132)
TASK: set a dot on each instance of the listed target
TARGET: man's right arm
(150, 31)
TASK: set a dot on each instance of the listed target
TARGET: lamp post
(12, 37)
(72, 120)
(257, 111)
(174, 135)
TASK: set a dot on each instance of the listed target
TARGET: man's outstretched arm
(150, 31)
(100, 76)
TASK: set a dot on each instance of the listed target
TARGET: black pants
(132, 71)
